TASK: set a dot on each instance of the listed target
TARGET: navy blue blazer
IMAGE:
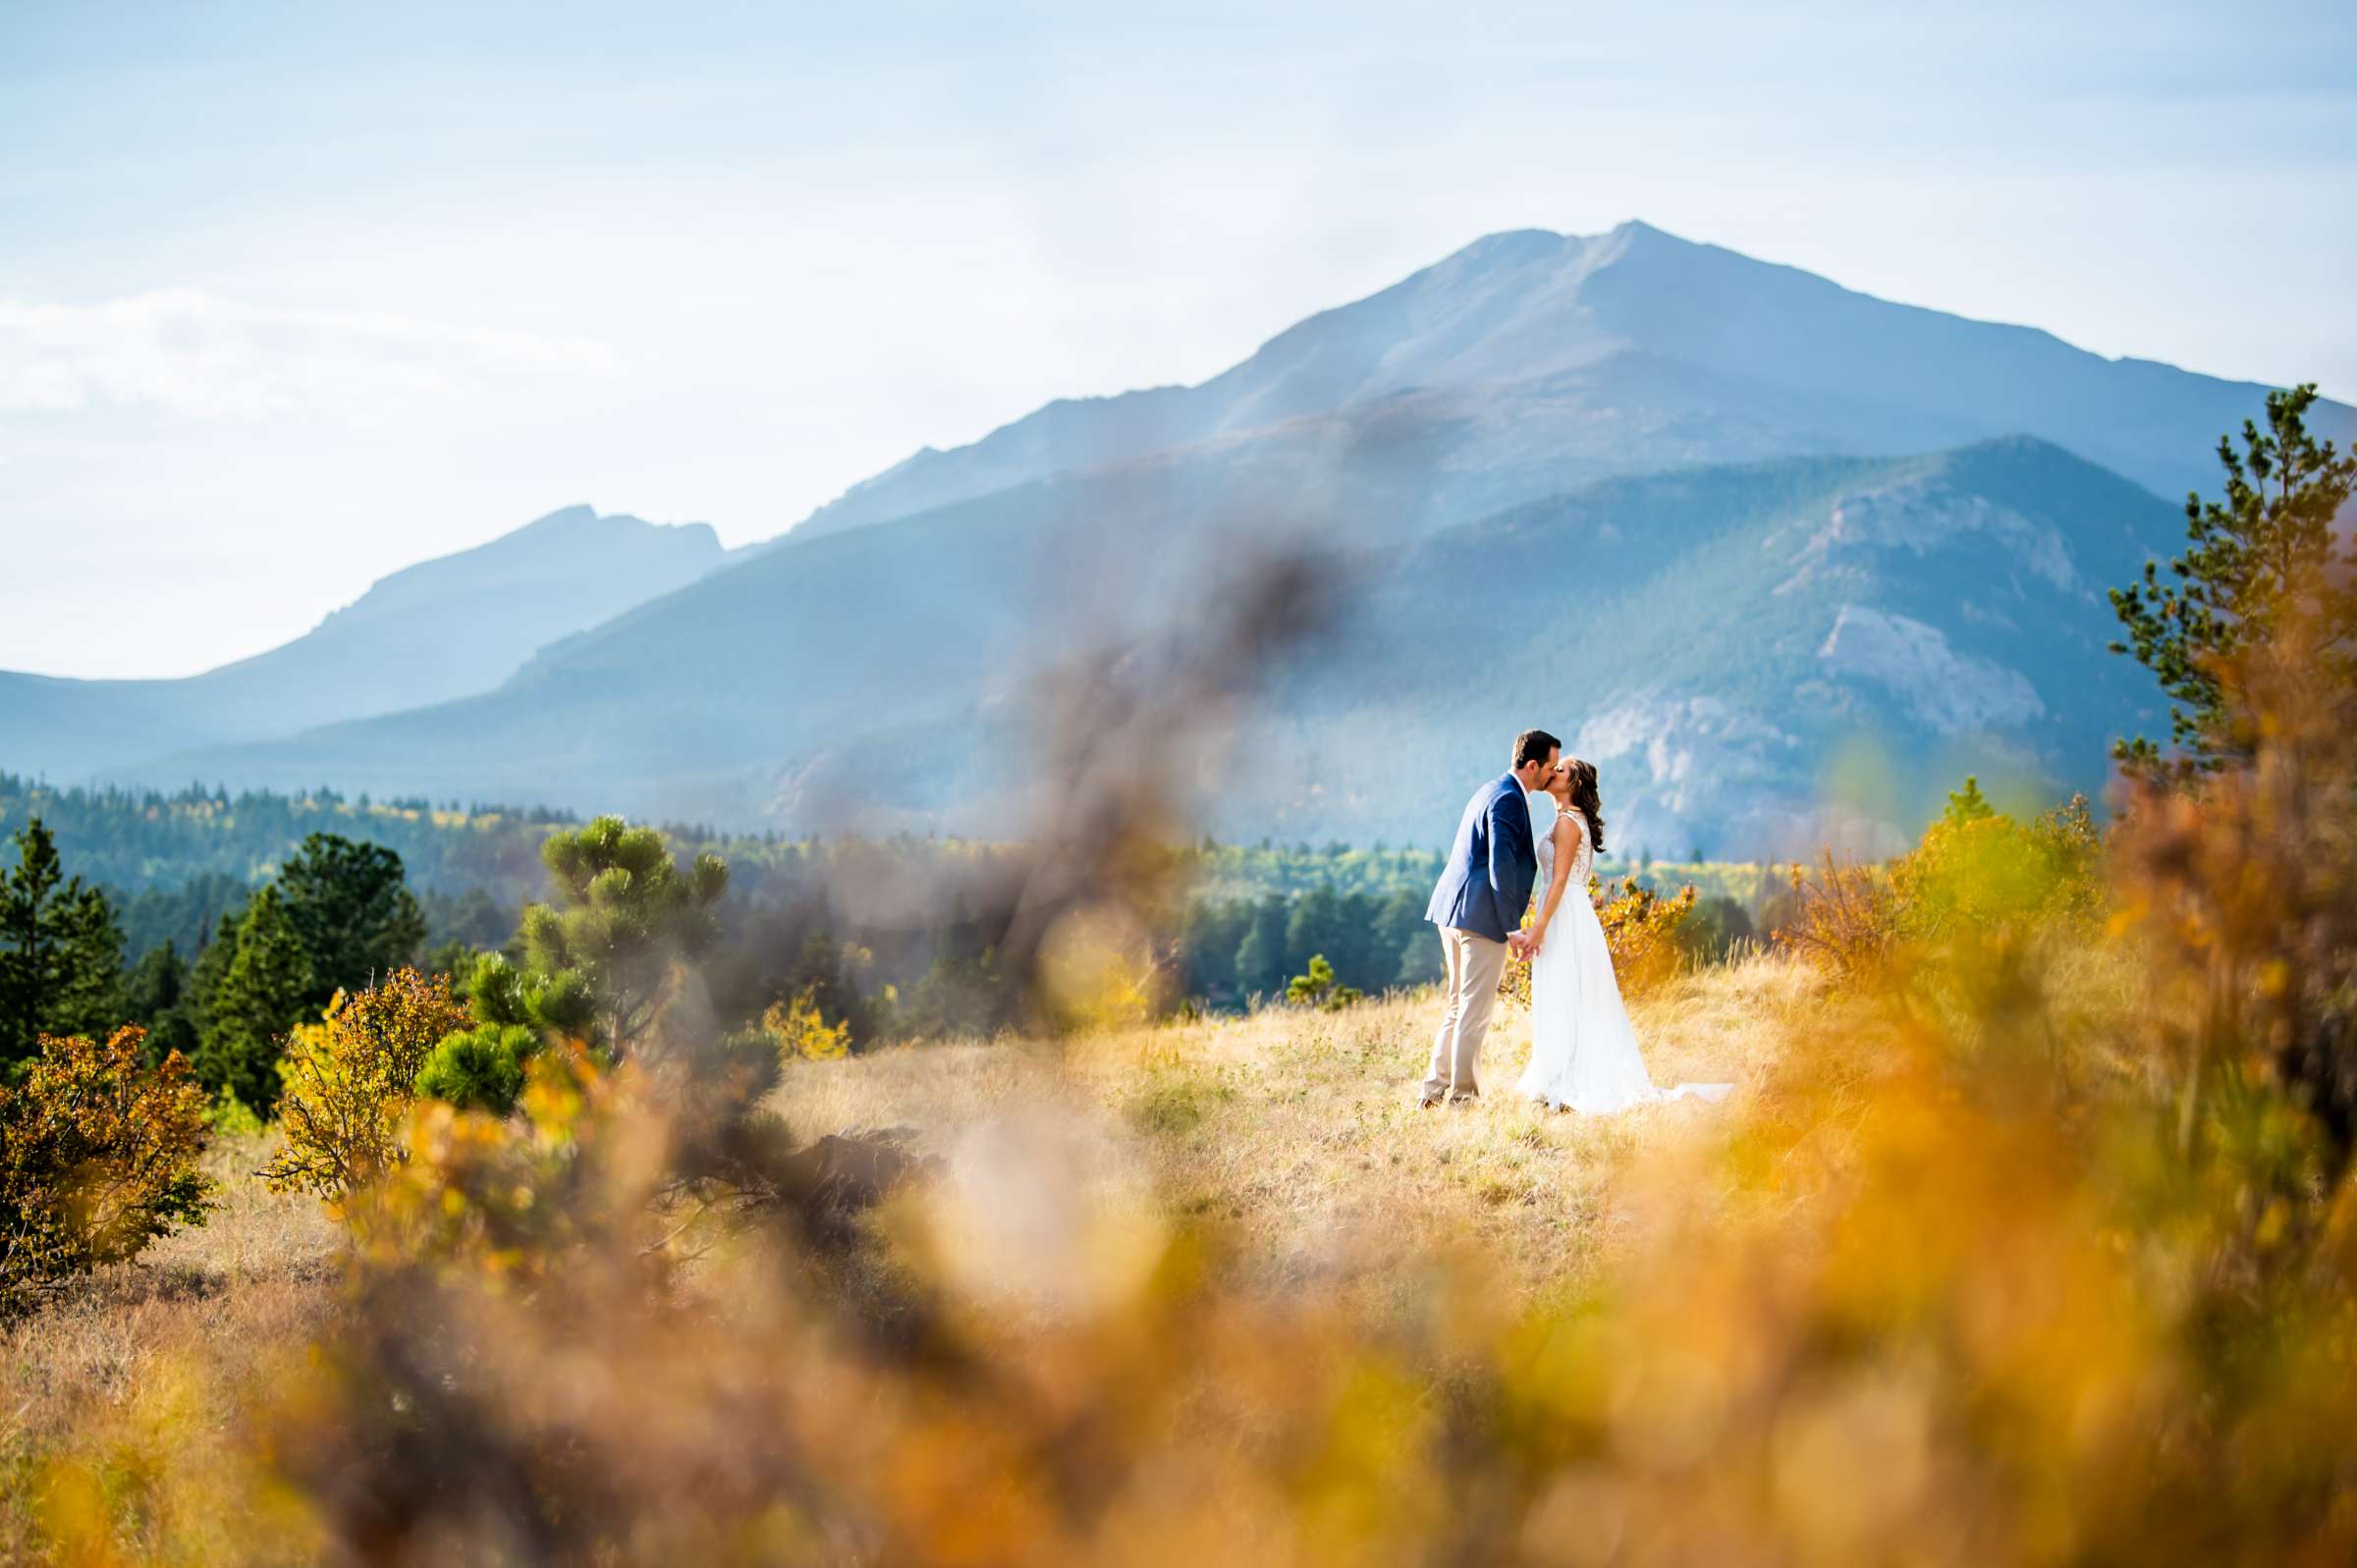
(1485, 885)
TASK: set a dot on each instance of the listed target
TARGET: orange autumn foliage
(97, 1158)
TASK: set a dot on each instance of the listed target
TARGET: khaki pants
(1475, 964)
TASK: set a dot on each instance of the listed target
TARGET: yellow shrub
(801, 1031)
(348, 1078)
(1640, 927)
(491, 1198)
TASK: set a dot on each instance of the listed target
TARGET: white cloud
(193, 355)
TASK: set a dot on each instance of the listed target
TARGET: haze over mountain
(1668, 499)
(1710, 636)
(446, 627)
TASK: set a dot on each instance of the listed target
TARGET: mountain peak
(1527, 247)
(1638, 228)
(567, 523)
(573, 517)
(568, 543)
(1637, 237)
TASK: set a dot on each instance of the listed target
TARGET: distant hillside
(443, 628)
(750, 697)
(134, 840)
(139, 843)
(1711, 638)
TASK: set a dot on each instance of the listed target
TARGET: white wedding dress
(1583, 1051)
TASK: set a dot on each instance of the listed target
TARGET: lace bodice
(1583, 851)
(1544, 814)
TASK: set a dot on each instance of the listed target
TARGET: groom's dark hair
(1532, 745)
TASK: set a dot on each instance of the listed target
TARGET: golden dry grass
(141, 1366)
(1300, 1131)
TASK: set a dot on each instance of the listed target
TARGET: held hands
(1531, 942)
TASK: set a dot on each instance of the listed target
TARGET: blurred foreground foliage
(1976, 872)
(2036, 1245)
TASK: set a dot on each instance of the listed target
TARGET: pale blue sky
(292, 296)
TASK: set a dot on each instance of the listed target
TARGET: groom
(1478, 906)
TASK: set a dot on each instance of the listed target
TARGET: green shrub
(1317, 989)
(1978, 870)
(233, 1117)
(480, 1068)
(558, 1004)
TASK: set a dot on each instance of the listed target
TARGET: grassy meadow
(1299, 1131)
(1294, 1130)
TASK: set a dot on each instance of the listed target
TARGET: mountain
(1538, 361)
(1710, 636)
(1741, 532)
(443, 628)
(685, 706)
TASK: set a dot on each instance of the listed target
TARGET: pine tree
(212, 963)
(1310, 988)
(1362, 955)
(349, 908)
(1210, 935)
(61, 952)
(1968, 804)
(156, 997)
(625, 913)
(1260, 966)
(2262, 557)
(822, 972)
(1410, 944)
(261, 996)
(1315, 927)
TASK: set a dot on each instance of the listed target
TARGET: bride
(1583, 1053)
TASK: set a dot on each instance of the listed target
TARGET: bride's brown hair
(1585, 797)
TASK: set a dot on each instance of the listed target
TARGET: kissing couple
(1583, 1051)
